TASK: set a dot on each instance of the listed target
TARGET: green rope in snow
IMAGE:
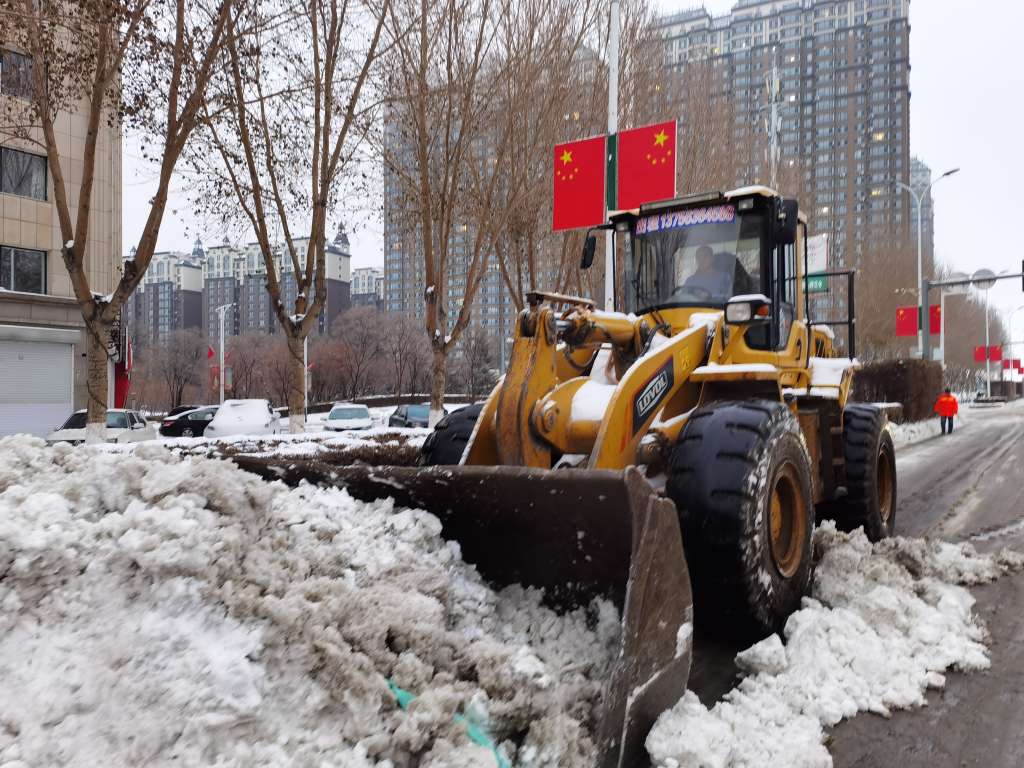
(477, 734)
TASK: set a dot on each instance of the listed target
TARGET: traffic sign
(817, 283)
(984, 279)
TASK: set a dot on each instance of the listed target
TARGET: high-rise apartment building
(843, 68)
(404, 285)
(42, 337)
(161, 306)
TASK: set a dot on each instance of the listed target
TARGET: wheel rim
(884, 480)
(186, 432)
(788, 521)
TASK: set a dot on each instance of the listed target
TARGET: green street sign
(817, 284)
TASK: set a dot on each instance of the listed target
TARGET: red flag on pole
(935, 319)
(979, 354)
(906, 321)
(210, 353)
(579, 184)
(995, 353)
(645, 170)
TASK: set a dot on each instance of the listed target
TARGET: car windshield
(349, 412)
(419, 411)
(695, 257)
(114, 421)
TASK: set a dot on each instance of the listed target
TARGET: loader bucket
(576, 534)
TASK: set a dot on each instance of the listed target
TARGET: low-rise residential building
(42, 337)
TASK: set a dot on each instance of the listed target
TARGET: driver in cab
(707, 282)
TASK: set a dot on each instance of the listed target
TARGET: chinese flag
(995, 354)
(209, 353)
(1006, 364)
(579, 178)
(906, 321)
(979, 354)
(646, 168)
(935, 319)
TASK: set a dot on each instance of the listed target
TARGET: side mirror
(589, 246)
(748, 310)
(138, 425)
(786, 221)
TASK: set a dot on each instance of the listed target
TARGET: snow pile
(884, 624)
(160, 608)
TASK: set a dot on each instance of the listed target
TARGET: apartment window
(22, 174)
(15, 75)
(22, 270)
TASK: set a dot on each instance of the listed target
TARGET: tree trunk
(96, 384)
(437, 387)
(296, 385)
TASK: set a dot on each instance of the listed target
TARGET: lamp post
(220, 313)
(921, 309)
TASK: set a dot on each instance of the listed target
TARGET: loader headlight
(746, 310)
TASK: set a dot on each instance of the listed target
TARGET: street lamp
(920, 276)
(220, 313)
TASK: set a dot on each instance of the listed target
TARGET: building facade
(368, 287)
(843, 69)
(158, 308)
(42, 340)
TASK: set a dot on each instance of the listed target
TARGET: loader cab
(697, 253)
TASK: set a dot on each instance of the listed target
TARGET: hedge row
(913, 383)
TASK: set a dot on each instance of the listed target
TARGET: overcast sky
(966, 111)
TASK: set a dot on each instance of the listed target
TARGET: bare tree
(247, 354)
(475, 363)
(446, 149)
(177, 362)
(404, 344)
(284, 116)
(360, 335)
(145, 62)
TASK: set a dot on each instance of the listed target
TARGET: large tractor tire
(870, 500)
(447, 443)
(740, 476)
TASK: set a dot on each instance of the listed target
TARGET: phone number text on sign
(715, 214)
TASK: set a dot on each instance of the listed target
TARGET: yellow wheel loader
(696, 432)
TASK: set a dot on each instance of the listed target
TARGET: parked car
(244, 417)
(190, 423)
(123, 426)
(411, 416)
(181, 409)
(348, 416)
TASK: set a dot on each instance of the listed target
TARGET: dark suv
(411, 416)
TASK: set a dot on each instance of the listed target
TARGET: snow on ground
(161, 608)
(884, 624)
(303, 444)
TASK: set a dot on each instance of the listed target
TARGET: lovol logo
(652, 393)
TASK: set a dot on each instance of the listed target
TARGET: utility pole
(220, 375)
(613, 128)
(922, 307)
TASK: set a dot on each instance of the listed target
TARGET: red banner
(906, 321)
(579, 184)
(1006, 365)
(935, 319)
(646, 168)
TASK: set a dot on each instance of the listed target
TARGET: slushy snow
(885, 623)
(160, 608)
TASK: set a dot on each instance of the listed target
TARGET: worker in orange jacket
(947, 407)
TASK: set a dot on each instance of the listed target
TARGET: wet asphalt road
(966, 486)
